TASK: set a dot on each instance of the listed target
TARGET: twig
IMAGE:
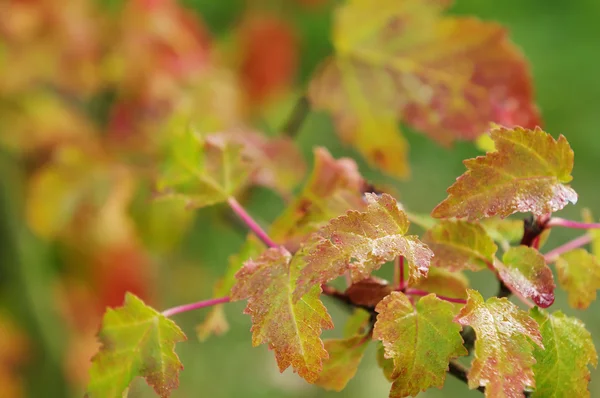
(195, 306)
(249, 221)
(399, 273)
(561, 222)
(296, 119)
(553, 254)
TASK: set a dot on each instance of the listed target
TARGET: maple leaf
(503, 354)
(503, 231)
(460, 245)
(579, 274)
(344, 357)
(357, 323)
(368, 292)
(334, 187)
(525, 270)
(412, 338)
(136, 341)
(446, 76)
(290, 327)
(202, 170)
(360, 242)
(561, 370)
(527, 173)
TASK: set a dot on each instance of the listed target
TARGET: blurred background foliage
(88, 90)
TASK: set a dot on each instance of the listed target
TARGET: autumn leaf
(360, 242)
(368, 292)
(334, 187)
(503, 350)
(579, 274)
(525, 270)
(444, 75)
(561, 370)
(291, 328)
(411, 337)
(136, 341)
(202, 170)
(344, 357)
(527, 173)
(460, 245)
(386, 364)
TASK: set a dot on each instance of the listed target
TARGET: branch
(297, 117)
(553, 254)
(399, 273)
(195, 306)
(250, 223)
(561, 222)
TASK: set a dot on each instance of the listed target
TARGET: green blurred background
(562, 42)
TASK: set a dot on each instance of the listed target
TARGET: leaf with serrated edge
(525, 270)
(460, 245)
(527, 173)
(290, 328)
(386, 364)
(439, 74)
(202, 170)
(136, 341)
(561, 370)
(579, 274)
(335, 186)
(420, 339)
(360, 242)
(344, 357)
(503, 352)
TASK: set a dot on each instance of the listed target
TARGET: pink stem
(399, 273)
(195, 306)
(561, 222)
(416, 292)
(553, 254)
(249, 221)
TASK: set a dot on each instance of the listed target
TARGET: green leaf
(291, 328)
(439, 74)
(503, 231)
(561, 370)
(413, 338)
(360, 242)
(202, 170)
(136, 341)
(527, 173)
(579, 274)
(503, 352)
(334, 187)
(344, 357)
(460, 245)
(525, 270)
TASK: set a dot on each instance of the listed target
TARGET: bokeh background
(86, 87)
